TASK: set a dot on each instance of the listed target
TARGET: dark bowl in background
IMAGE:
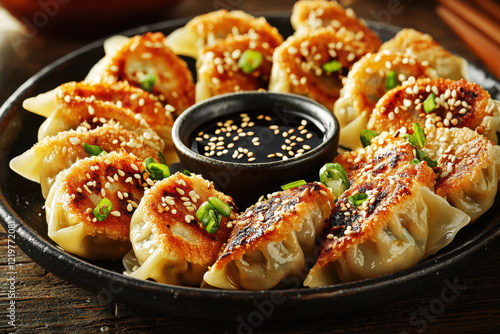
(246, 182)
(84, 17)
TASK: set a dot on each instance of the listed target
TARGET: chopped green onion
(203, 213)
(213, 224)
(293, 184)
(103, 209)
(430, 103)
(158, 171)
(366, 137)
(332, 66)
(186, 172)
(418, 141)
(162, 158)
(391, 80)
(148, 81)
(250, 60)
(93, 150)
(357, 199)
(334, 177)
(220, 206)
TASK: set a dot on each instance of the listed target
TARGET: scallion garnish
(357, 199)
(148, 81)
(203, 213)
(158, 171)
(418, 141)
(293, 184)
(103, 209)
(391, 80)
(430, 103)
(186, 172)
(93, 150)
(334, 177)
(332, 66)
(366, 137)
(250, 60)
(219, 205)
(214, 222)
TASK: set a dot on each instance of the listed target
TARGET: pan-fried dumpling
(146, 62)
(274, 241)
(468, 169)
(234, 64)
(207, 29)
(170, 245)
(90, 205)
(53, 154)
(120, 93)
(311, 15)
(436, 103)
(427, 51)
(369, 79)
(91, 114)
(314, 63)
(388, 220)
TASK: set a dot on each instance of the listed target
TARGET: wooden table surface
(45, 303)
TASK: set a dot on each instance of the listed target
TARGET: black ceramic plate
(21, 209)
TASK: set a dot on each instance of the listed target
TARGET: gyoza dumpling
(207, 29)
(429, 52)
(147, 62)
(313, 64)
(76, 113)
(311, 15)
(274, 241)
(90, 205)
(369, 79)
(436, 103)
(388, 220)
(234, 64)
(170, 245)
(120, 93)
(53, 154)
(468, 169)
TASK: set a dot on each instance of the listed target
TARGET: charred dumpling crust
(366, 83)
(207, 29)
(399, 222)
(119, 177)
(144, 55)
(53, 154)
(468, 169)
(272, 240)
(170, 245)
(311, 15)
(424, 48)
(298, 64)
(457, 104)
(218, 70)
(386, 156)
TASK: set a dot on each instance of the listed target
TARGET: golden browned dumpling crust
(146, 55)
(123, 95)
(218, 70)
(298, 64)
(454, 104)
(424, 48)
(119, 177)
(171, 207)
(207, 29)
(311, 15)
